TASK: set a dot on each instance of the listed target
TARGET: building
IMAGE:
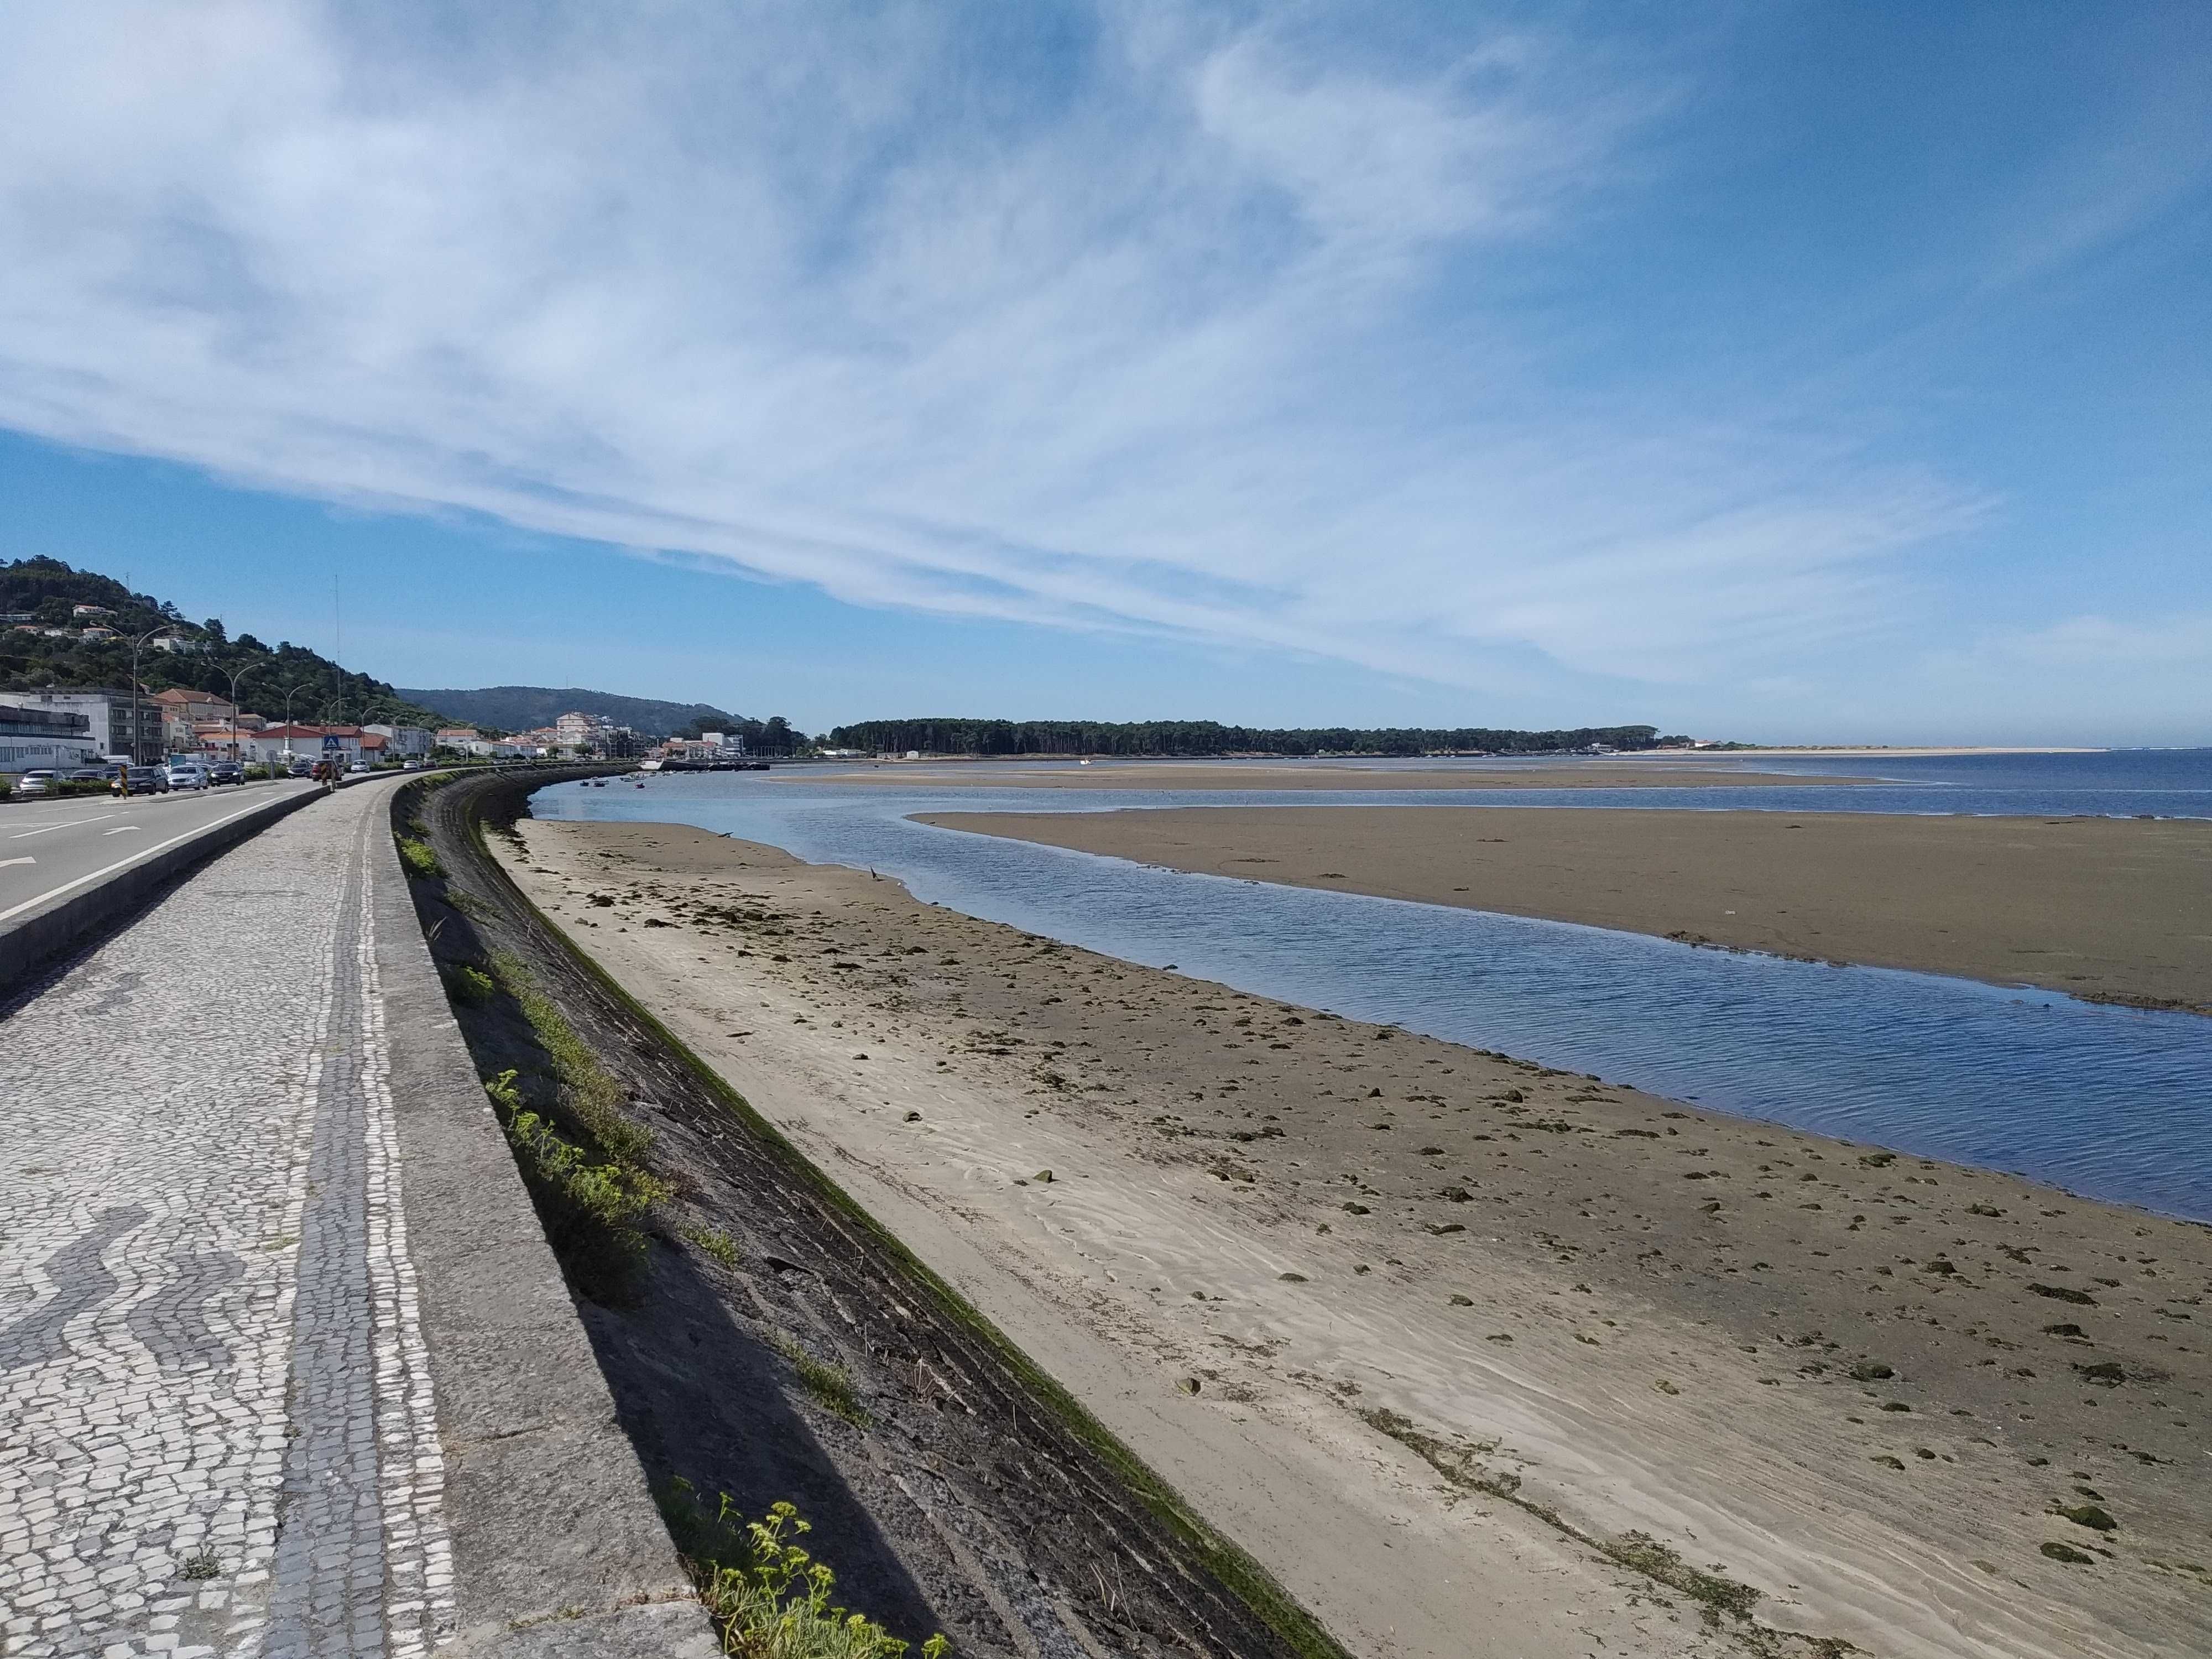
(454, 737)
(275, 744)
(33, 739)
(406, 741)
(109, 712)
(177, 646)
(578, 730)
(81, 611)
(227, 741)
(183, 710)
(197, 707)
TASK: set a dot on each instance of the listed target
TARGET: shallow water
(2114, 1104)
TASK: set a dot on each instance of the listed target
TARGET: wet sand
(1304, 775)
(1455, 1345)
(2118, 910)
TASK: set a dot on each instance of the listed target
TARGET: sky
(1773, 371)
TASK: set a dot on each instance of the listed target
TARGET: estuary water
(2110, 1103)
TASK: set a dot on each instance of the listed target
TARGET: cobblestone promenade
(216, 1432)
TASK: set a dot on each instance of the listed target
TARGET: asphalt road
(51, 848)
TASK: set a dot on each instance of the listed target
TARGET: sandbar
(2111, 910)
(1457, 1345)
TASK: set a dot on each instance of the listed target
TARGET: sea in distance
(2114, 1104)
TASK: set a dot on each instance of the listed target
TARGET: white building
(577, 729)
(44, 740)
(404, 741)
(108, 714)
(273, 744)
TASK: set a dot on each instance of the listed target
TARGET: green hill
(44, 592)
(524, 707)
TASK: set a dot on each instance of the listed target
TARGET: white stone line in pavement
(418, 1560)
(205, 1282)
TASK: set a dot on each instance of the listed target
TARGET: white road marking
(4, 863)
(109, 870)
(123, 829)
(71, 825)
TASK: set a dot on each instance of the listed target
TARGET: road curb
(30, 943)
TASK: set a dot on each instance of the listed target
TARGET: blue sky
(1792, 372)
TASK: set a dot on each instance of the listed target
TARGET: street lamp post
(136, 744)
(287, 750)
(236, 675)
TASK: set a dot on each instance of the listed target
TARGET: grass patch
(768, 1595)
(422, 863)
(589, 1097)
(714, 1242)
(830, 1386)
(469, 986)
(594, 1211)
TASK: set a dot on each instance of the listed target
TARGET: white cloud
(1190, 332)
(2101, 642)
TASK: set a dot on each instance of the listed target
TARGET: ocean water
(2114, 1104)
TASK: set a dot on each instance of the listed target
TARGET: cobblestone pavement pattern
(216, 1432)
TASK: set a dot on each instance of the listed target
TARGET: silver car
(187, 774)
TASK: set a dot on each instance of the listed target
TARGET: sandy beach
(1306, 774)
(2119, 910)
(1464, 1351)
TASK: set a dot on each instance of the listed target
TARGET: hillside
(523, 708)
(45, 591)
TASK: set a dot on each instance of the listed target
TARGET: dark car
(226, 771)
(147, 781)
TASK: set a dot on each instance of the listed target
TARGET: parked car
(226, 771)
(147, 780)
(187, 774)
(41, 782)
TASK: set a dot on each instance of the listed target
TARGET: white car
(36, 783)
(187, 774)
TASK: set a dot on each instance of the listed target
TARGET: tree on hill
(1199, 738)
(48, 590)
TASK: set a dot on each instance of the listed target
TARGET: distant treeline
(973, 736)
